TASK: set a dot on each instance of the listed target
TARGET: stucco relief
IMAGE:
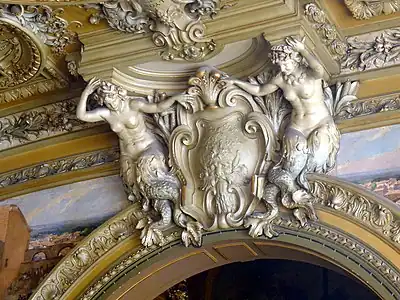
(225, 153)
(176, 25)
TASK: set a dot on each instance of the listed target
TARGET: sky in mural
(72, 207)
(364, 156)
(369, 155)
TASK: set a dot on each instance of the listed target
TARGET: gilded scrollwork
(175, 24)
(44, 22)
(124, 15)
(366, 9)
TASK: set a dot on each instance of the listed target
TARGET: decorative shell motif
(207, 85)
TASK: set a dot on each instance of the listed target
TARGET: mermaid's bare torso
(309, 109)
(134, 137)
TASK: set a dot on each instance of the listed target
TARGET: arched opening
(270, 279)
(114, 266)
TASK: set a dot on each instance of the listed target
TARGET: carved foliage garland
(59, 166)
(372, 51)
(365, 9)
(39, 123)
(327, 31)
(369, 106)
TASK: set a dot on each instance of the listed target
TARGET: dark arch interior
(271, 280)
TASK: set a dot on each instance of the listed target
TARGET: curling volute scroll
(225, 153)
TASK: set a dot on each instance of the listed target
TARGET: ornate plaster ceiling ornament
(231, 145)
(44, 22)
(175, 24)
(366, 9)
(25, 67)
(59, 166)
(326, 30)
(369, 106)
(372, 50)
(21, 55)
(41, 86)
(39, 123)
(115, 231)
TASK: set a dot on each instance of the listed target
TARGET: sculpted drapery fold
(225, 153)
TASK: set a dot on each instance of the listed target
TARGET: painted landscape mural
(369, 158)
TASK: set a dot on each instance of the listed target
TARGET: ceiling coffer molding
(176, 25)
(366, 9)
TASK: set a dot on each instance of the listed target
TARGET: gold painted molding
(114, 248)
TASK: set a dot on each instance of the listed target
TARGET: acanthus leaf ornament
(327, 31)
(175, 25)
(226, 153)
(366, 9)
(371, 51)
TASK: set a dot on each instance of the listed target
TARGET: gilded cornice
(43, 21)
(366, 9)
(119, 228)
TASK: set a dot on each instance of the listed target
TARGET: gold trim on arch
(115, 252)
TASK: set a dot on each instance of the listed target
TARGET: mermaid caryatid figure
(142, 155)
(310, 142)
